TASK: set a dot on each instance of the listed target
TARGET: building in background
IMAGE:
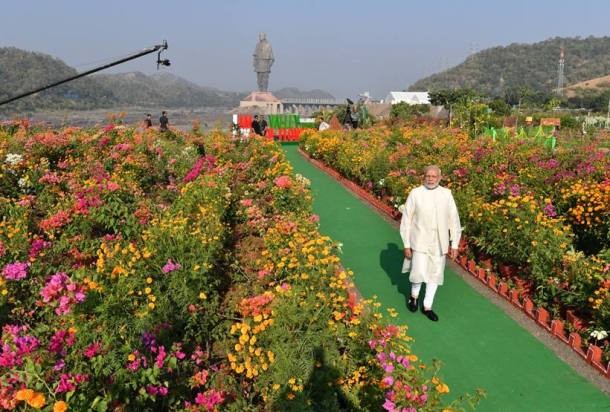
(407, 97)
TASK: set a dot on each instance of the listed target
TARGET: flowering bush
(137, 275)
(520, 203)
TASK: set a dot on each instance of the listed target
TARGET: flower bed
(541, 216)
(138, 275)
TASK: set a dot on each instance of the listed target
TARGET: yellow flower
(147, 290)
(131, 357)
(149, 280)
(151, 305)
(202, 296)
(442, 388)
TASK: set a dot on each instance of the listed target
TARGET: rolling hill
(495, 70)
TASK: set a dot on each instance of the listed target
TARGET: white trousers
(430, 292)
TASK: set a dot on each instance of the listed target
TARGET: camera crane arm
(157, 48)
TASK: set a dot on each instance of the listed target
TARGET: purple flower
(15, 271)
(515, 190)
(549, 210)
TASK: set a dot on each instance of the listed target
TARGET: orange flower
(24, 395)
(442, 388)
(37, 401)
(60, 406)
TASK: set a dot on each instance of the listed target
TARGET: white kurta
(430, 222)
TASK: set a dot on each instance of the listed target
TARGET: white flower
(23, 182)
(381, 182)
(13, 159)
(339, 246)
(599, 334)
(301, 179)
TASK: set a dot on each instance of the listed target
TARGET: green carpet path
(478, 344)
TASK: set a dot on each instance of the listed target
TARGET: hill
(22, 71)
(294, 93)
(495, 70)
(597, 85)
(166, 90)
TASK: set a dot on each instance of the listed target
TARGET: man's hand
(453, 253)
(408, 253)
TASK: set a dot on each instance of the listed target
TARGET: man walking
(430, 224)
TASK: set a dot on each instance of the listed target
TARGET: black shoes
(430, 314)
(412, 304)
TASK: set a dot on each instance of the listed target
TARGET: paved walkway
(479, 345)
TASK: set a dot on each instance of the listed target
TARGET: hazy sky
(344, 47)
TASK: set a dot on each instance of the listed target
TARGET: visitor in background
(323, 125)
(163, 122)
(148, 121)
(263, 125)
(430, 225)
(256, 125)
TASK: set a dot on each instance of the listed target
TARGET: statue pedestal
(265, 102)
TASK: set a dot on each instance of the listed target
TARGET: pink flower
(389, 406)
(207, 161)
(59, 288)
(388, 380)
(160, 357)
(171, 266)
(283, 182)
(15, 271)
(56, 221)
(37, 246)
(112, 186)
(108, 128)
(49, 177)
(209, 399)
(92, 350)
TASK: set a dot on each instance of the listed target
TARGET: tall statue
(263, 59)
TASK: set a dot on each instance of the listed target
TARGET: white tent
(408, 97)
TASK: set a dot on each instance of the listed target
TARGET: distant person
(256, 125)
(323, 125)
(348, 121)
(263, 125)
(163, 122)
(148, 121)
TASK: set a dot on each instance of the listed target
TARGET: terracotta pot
(507, 271)
(485, 262)
(463, 245)
(524, 286)
(574, 320)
